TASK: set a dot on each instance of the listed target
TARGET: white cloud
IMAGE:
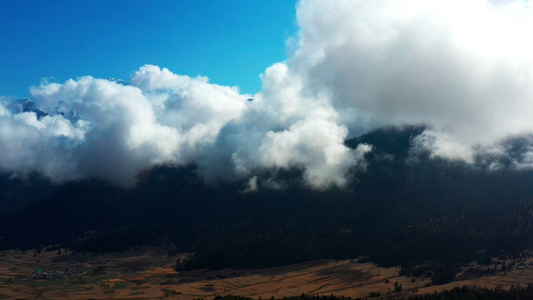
(167, 118)
(316, 145)
(465, 69)
(3, 110)
(251, 185)
(442, 145)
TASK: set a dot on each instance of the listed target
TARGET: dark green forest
(403, 210)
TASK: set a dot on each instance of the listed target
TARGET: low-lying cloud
(163, 118)
(464, 69)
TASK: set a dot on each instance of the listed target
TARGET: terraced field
(149, 273)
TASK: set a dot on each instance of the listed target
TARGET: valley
(149, 273)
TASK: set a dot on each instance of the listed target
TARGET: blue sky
(231, 42)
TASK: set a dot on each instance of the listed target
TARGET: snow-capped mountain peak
(26, 105)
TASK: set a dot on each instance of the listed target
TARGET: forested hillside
(401, 210)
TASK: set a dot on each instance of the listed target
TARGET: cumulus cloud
(464, 69)
(298, 145)
(100, 128)
(123, 129)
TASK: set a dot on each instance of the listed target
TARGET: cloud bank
(104, 129)
(464, 69)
